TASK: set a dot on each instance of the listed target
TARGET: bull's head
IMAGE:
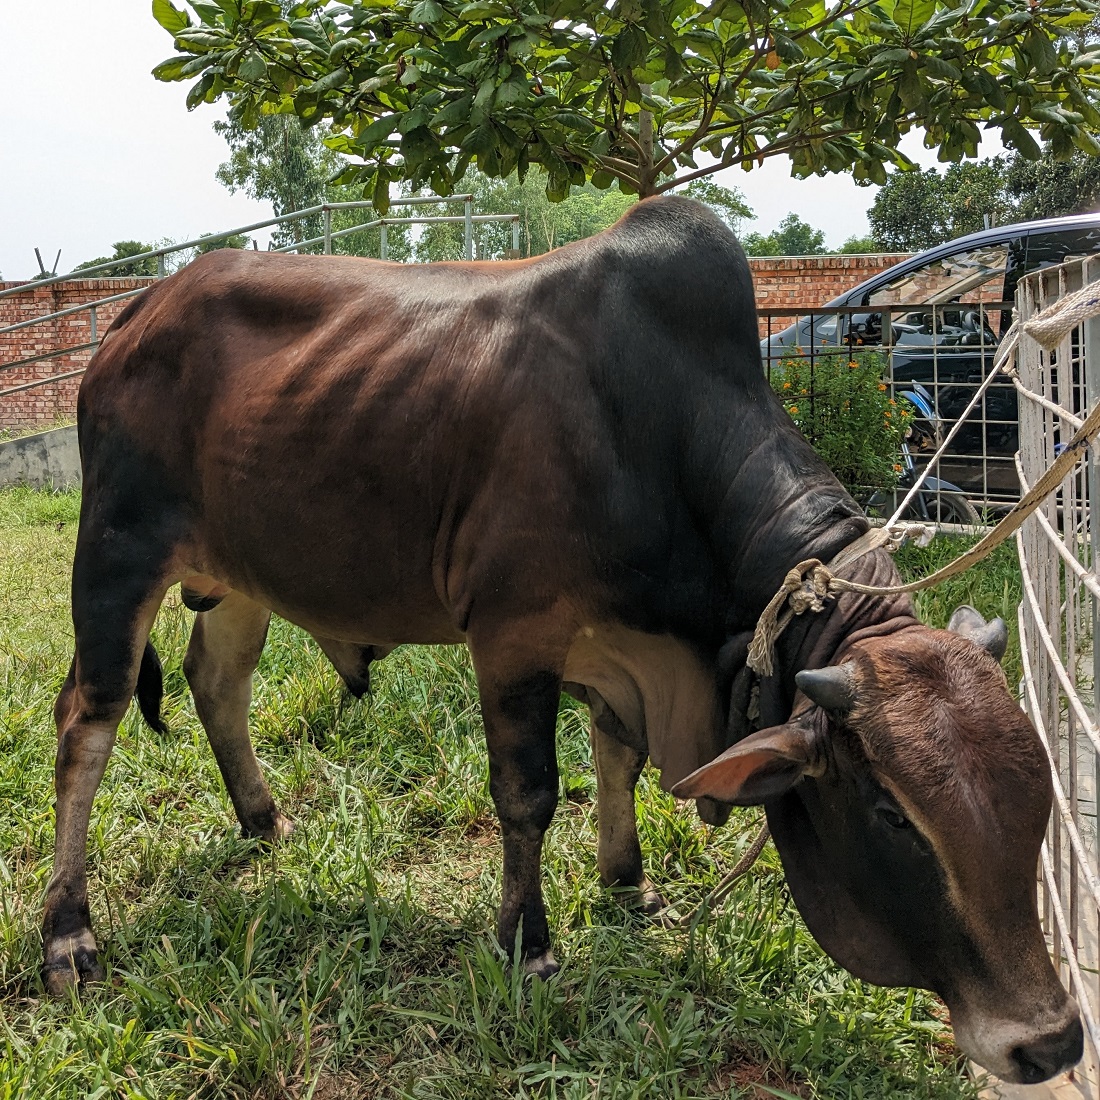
(908, 796)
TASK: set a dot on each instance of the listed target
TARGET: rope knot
(813, 591)
(807, 586)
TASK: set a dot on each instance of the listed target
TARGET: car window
(974, 276)
(818, 330)
(1055, 247)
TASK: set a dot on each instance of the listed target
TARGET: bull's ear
(991, 636)
(763, 765)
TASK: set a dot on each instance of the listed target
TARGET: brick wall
(805, 281)
(46, 403)
(794, 281)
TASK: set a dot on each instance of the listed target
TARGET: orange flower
(897, 467)
(793, 410)
(892, 401)
(882, 387)
(786, 385)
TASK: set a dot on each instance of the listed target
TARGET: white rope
(1050, 327)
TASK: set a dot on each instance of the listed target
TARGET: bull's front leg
(519, 703)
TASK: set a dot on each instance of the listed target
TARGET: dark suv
(961, 296)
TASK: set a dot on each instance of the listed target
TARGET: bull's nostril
(1040, 1060)
(1030, 1073)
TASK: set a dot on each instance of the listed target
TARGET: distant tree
(284, 162)
(793, 237)
(856, 245)
(123, 249)
(916, 210)
(727, 202)
(237, 240)
(544, 225)
(1050, 188)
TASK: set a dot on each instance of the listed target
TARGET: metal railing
(109, 268)
(933, 356)
(1058, 618)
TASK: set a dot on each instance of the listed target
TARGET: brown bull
(575, 466)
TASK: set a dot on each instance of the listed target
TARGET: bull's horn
(832, 688)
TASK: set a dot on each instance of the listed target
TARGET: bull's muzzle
(1024, 1053)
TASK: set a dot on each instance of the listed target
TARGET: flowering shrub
(844, 408)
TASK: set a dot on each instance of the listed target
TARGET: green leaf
(173, 68)
(909, 15)
(172, 20)
(198, 92)
(458, 110)
(210, 14)
(377, 132)
(427, 11)
(1040, 52)
(936, 66)
(253, 67)
(512, 92)
(327, 83)
(1019, 139)
(381, 193)
(629, 48)
(490, 34)
(418, 146)
(308, 31)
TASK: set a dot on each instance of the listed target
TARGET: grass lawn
(357, 959)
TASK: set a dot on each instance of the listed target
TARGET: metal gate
(78, 352)
(1058, 618)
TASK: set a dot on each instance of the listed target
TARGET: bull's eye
(892, 818)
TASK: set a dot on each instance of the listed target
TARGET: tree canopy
(916, 210)
(123, 250)
(1049, 188)
(648, 93)
(793, 237)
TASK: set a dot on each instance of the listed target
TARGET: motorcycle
(938, 501)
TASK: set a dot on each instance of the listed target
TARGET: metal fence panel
(1058, 617)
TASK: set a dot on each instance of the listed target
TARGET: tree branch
(762, 154)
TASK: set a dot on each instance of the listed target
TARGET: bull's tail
(150, 689)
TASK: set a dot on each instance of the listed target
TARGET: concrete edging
(47, 459)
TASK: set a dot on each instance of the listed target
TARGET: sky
(93, 150)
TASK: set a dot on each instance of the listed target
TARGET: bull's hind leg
(618, 766)
(225, 648)
(115, 600)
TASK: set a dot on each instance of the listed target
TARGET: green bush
(844, 408)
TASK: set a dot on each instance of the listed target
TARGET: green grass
(357, 959)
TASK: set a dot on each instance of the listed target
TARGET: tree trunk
(646, 181)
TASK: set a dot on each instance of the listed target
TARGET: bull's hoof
(541, 966)
(272, 827)
(646, 899)
(69, 964)
(653, 904)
